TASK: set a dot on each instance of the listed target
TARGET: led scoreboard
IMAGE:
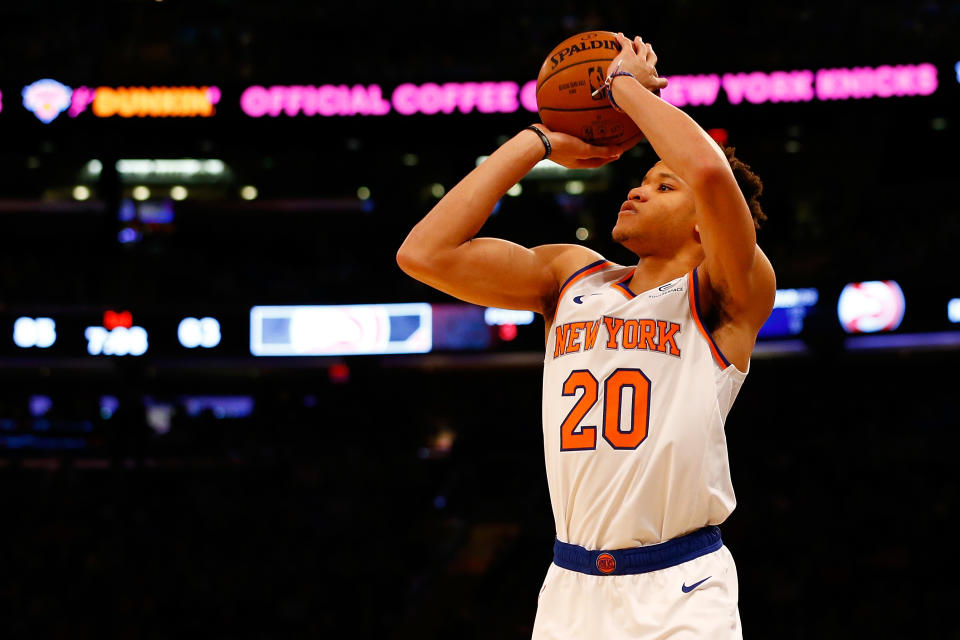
(908, 315)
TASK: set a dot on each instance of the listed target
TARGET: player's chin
(619, 234)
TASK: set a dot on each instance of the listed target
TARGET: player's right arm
(443, 252)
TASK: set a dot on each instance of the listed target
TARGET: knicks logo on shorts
(606, 563)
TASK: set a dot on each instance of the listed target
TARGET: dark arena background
(203, 432)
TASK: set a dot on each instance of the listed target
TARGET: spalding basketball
(570, 75)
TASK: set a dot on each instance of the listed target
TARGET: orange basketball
(571, 73)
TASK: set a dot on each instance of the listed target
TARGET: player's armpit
(497, 273)
(751, 305)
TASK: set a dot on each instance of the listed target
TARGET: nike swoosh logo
(687, 589)
(579, 299)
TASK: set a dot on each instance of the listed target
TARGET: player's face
(657, 216)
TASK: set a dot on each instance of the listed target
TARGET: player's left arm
(734, 267)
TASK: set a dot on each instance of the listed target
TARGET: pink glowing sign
(755, 87)
(803, 86)
(430, 98)
(407, 99)
(1, 101)
(882, 82)
(326, 100)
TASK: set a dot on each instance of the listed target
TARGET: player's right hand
(573, 153)
(637, 57)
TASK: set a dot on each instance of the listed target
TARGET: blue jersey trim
(639, 559)
(579, 271)
(696, 300)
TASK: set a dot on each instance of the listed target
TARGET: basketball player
(642, 364)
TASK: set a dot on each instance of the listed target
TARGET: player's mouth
(627, 208)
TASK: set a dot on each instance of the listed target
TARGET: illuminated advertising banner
(756, 87)
(340, 330)
(868, 307)
(48, 98)
(790, 307)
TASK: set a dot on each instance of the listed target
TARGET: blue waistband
(654, 557)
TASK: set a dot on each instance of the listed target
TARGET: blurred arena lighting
(437, 190)
(363, 193)
(81, 193)
(94, 167)
(868, 307)
(108, 406)
(953, 310)
(410, 160)
(34, 332)
(248, 192)
(40, 405)
(720, 135)
(339, 373)
(128, 235)
(219, 406)
(202, 332)
(159, 415)
(316, 330)
(574, 187)
(582, 233)
(140, 192)
(515, 190)
(178, 192)
(494, 316)
(167, 168)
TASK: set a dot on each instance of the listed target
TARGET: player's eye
(664, 187)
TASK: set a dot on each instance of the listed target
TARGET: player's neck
(653, 271)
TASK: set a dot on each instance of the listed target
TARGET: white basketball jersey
(635, 394)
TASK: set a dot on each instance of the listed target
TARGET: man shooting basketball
(642, 363)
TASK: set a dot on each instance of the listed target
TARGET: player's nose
(637, 193)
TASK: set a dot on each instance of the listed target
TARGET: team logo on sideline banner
(46, 99)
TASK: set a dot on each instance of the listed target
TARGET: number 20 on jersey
(624, 427)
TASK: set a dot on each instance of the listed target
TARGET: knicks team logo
(606, 563)
(47, 99)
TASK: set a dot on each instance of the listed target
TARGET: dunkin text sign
(48, 98)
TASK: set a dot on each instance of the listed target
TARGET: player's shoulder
(566, 261)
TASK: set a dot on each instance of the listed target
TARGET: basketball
(568, 78)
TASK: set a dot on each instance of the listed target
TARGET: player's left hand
(637, 57)
(573, 153)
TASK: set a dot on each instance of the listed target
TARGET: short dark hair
(750, 185)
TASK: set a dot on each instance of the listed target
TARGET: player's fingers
(651, 56)
(625, 43)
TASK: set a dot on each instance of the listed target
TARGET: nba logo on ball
(606, 563)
